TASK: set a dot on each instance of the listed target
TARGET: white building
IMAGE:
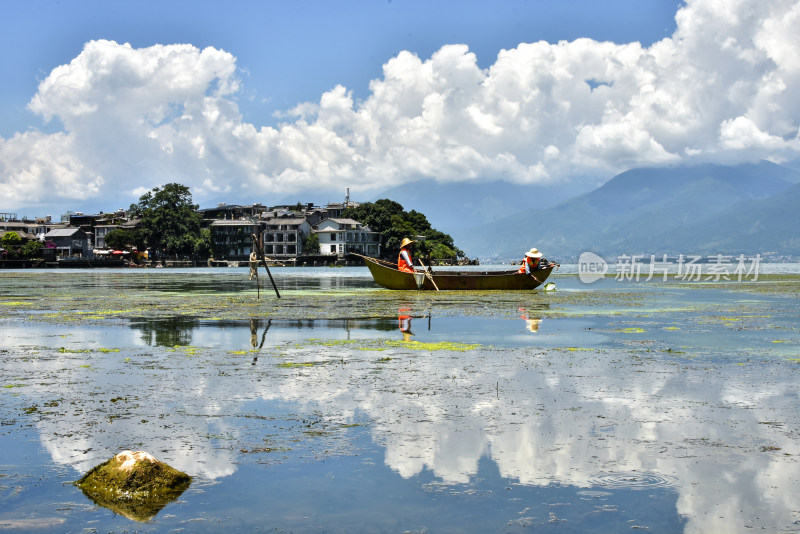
(100, 233)
(342, 236)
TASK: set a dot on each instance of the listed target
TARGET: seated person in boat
(533, 261)
(404, 260)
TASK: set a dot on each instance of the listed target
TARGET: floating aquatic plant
(435, 346)
(293, 365)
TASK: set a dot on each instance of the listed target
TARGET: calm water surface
(343, 407)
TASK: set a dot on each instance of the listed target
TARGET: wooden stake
(257, 246)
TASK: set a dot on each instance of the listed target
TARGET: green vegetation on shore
(394, 223)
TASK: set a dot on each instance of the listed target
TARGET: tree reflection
(167, 332)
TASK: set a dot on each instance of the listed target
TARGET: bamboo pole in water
(257, 247)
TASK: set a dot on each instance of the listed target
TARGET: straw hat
(405, 242)
(533, 324)
(534, 253)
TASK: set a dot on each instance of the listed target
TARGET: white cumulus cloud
(721, 89)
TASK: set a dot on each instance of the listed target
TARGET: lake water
(343, 407)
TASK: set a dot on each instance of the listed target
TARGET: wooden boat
(389, 276)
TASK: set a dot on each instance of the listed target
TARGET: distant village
(281, 230)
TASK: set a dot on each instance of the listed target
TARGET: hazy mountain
(756, 226)
(451, 206)
(704, 209)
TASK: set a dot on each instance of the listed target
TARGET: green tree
(388, 217)
(11, 242)
(170, 223)
(311, 244)
(394, 235)
(31, 249)
(202, 245)
(11, 239)
(377, 215)
(120, 238)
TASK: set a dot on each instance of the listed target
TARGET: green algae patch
(295, 365)
(384, 344)
(440, 345)
(188, 350)
(134, 484)
(631, 330)
(64, 350)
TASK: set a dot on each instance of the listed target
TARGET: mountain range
(706, 209)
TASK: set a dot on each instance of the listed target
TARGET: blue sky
(248, 101)
(291, 52)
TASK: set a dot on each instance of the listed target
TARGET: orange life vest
(403, 264)
(533, 264)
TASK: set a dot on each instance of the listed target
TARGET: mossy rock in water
(134, 484)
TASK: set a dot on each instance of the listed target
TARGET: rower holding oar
(404, 261)
(533, 262)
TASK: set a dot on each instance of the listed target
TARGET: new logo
(591, 267)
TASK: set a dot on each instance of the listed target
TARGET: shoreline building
(343, 236)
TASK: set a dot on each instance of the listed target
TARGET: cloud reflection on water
(723, 433)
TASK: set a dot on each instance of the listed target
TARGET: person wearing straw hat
(533, 261)
(404, 261)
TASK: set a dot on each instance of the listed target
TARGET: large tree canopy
(394, 223)
(120, 238)
(170, 223)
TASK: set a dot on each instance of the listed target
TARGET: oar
(261, 255)
(428, 274)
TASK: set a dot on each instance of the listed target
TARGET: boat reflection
(532, 323)
(404, 321)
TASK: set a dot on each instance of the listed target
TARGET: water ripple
(633, 480)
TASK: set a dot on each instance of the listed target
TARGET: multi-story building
(342, 236)
(100, 233)
(233, 239)
(232, 212)
(283, 237)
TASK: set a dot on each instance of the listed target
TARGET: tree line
(170, 225)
